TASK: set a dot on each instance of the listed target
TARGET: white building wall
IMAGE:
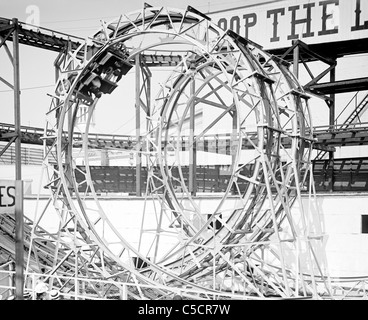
(346, 247)
(34, 179)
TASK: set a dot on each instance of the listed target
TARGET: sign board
(7, 196)
(275, 24)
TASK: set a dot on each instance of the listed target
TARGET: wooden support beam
(341, 86)
(19, 227)
(296, 61)
(192, 143)
(138, 157)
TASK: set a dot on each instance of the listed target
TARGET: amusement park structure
(250, 244)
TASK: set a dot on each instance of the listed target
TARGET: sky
(82, 18)
(79, 18)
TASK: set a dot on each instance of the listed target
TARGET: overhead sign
(276, 24)
(7, 196)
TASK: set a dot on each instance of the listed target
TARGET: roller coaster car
(113, 62)
(106, 71)
(93, 83)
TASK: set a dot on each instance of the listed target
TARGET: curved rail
(258, 246)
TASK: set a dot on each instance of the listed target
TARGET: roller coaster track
(45, 249)
(326, 137)
(252, 249)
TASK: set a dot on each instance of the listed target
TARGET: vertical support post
(76, 282)
(18, 168)
(105, 161)
(123, 292)
(192, 144)
(19, 223)
(332, 99)
(331, 155)
(138, 125)
(148, 79)
(296, 61)
(11, 279)
(33, 286)
(68, 151)
(148, 115)
(19, 245)
(234, 137)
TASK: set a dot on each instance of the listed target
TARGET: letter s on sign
(12, 196)
(8, 195)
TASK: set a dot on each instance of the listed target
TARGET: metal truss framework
(255, 248)
(12, 31)
(20, 33)
(302, 53)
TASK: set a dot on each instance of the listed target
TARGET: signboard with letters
(7, 196)
(275, 24)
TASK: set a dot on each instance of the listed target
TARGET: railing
(346, 175)
(354, 100)
(39, 132)
(30, 156)
(77, 289)
(214, 143)
(360, 106)
(6, 279)
(337, 128)
(122, 179)
(347, 288)
(343, 288)
(40, 34)
(25, 129)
